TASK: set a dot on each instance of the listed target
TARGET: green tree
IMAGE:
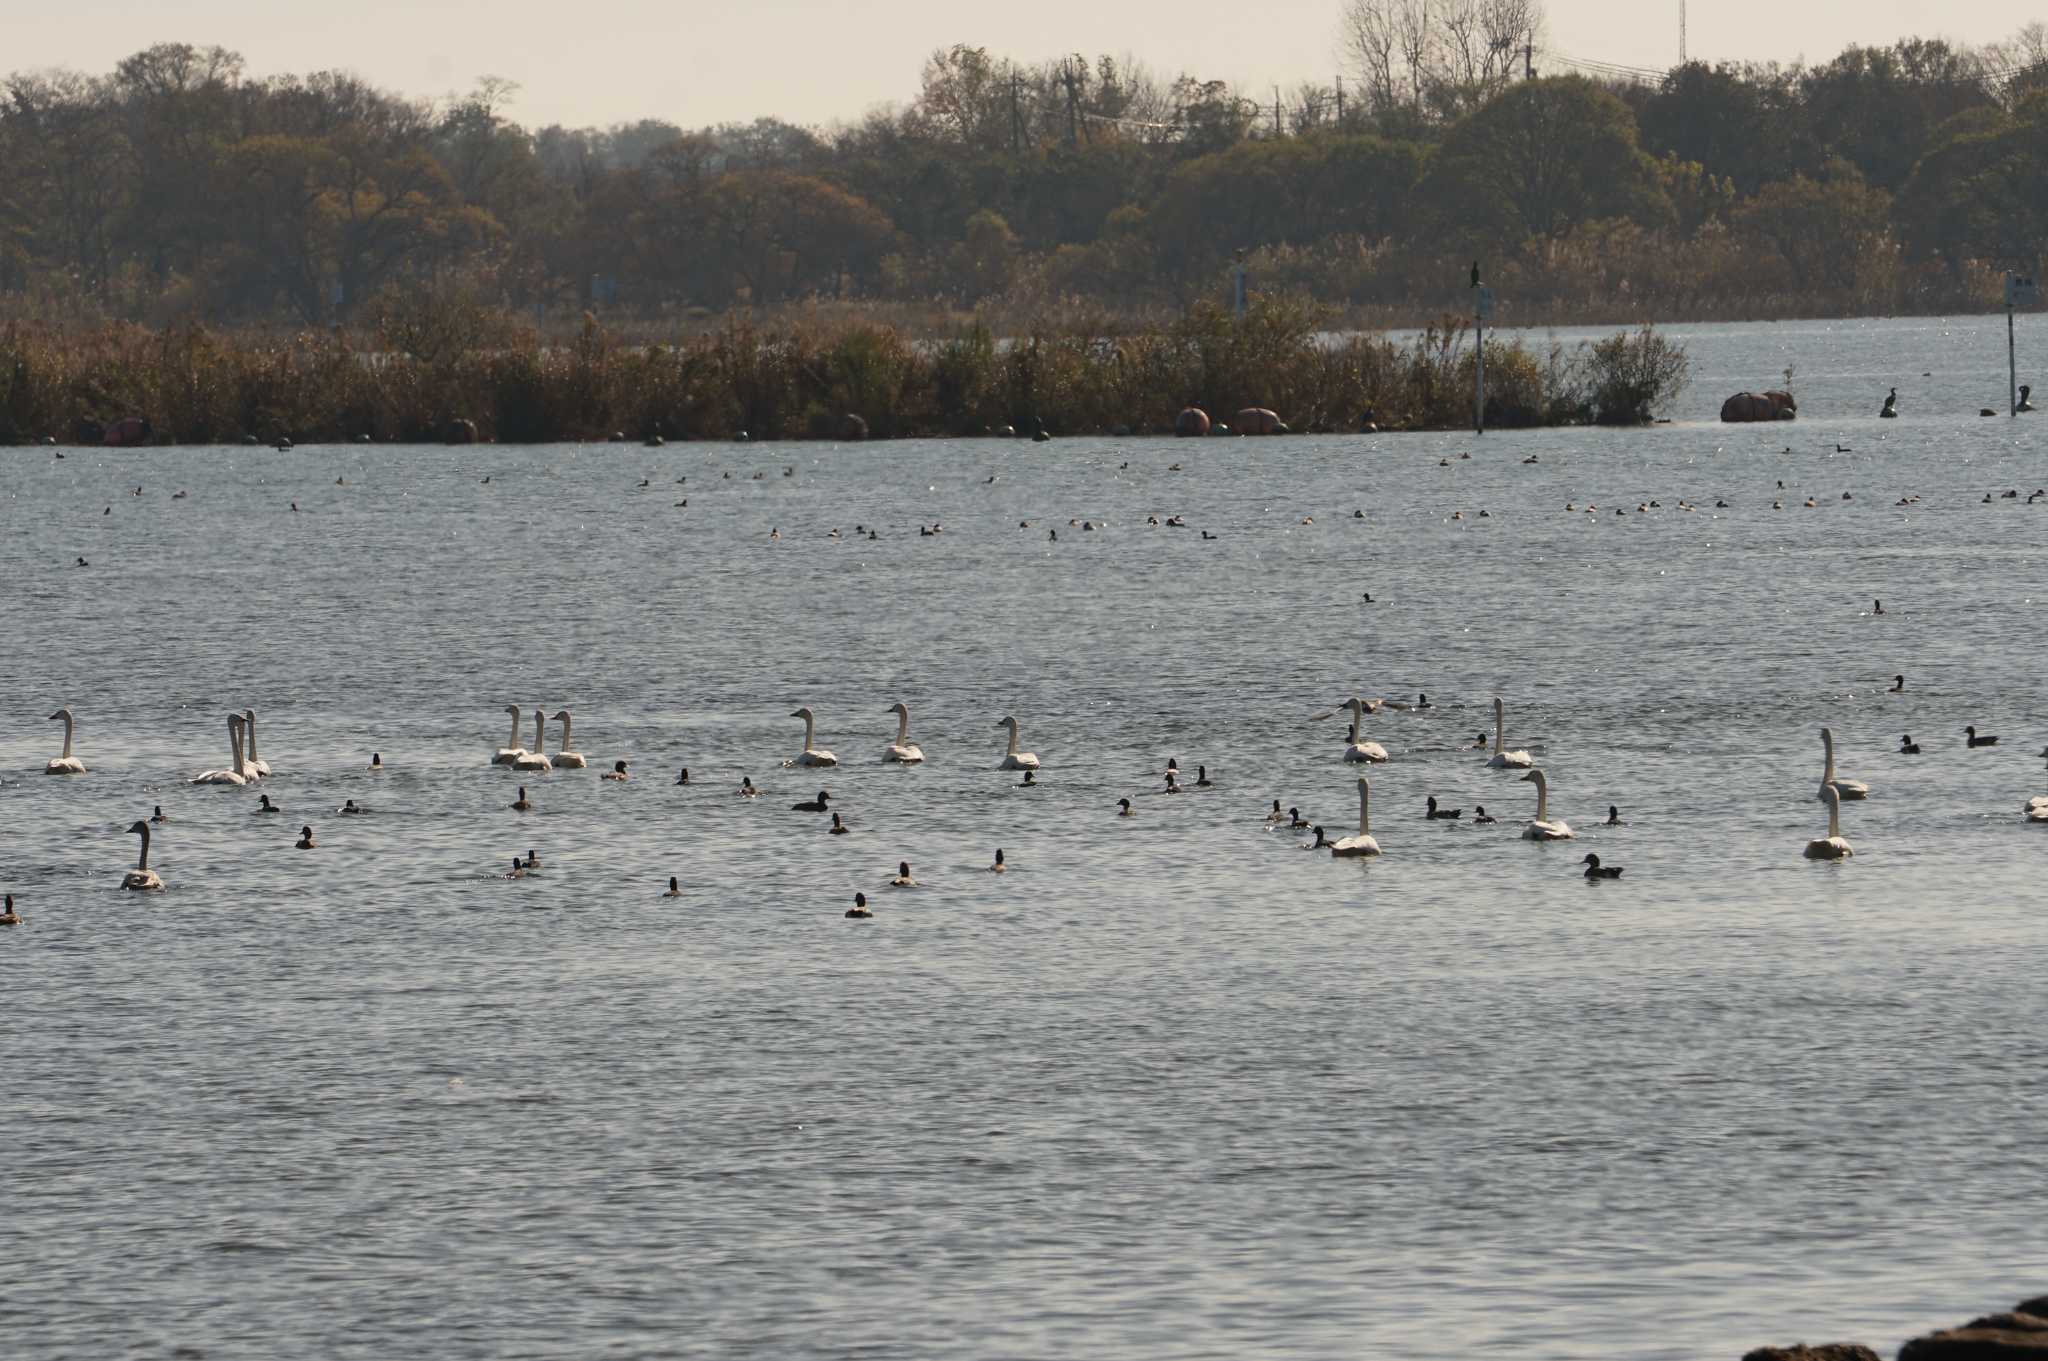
(1823, 229)
(1539, 160)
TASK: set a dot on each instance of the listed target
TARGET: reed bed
(797, 380)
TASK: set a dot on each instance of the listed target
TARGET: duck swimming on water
(1907, 746)
(1442, 814)
(1596, 870)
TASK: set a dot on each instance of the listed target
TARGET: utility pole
(1681, 32)
(1276, 111)
(1528, 61)
(1340, 100)
(1016, 119)
(1072, 80)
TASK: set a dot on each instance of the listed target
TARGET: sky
(823, 61)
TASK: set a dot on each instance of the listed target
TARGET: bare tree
(1442, 56)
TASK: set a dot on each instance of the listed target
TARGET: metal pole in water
(1479, 380)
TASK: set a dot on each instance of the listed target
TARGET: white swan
(2037, 809)
(142, 878)
(1542, 828)
(811, 756)
(1851, 790)
(1359, 749)
(1831, 846)
(507, 755)
(903, 749)
(537, 758)
(67, 764)
(1014, 759)
(566, 758)
(235, 774)
(1362, 844)
(1502, 759)
(258, 767)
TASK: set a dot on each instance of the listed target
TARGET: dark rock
(2018, 1336)
(1799, 1351)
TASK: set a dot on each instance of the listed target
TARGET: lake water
(1172, 1087)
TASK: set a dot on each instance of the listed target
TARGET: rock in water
(1832, 1351)
(2018, 1336)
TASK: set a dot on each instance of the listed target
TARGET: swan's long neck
(235, 741)
(142, 863)
(540, 731)
(67, 735)
(810, 732)
(1834, 818)
(1364, 808)
(1500, 731)
(513, 740)
(1013, 736)
(565, 731)
(1827, 742)
(902, 727)
(249, 724)
(1542, 798)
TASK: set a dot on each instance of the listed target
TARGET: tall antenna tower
(1681, 33)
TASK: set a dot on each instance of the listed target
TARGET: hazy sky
(604, 61)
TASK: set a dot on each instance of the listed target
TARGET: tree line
(1897, 178)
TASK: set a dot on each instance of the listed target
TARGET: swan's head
(1007, 722)
(1832, 797)
(899, 710)
(559, 716)
(249, 716)
(802, 713)
(1827, 738)
(512, 709)
(1497, 706)
(138, 826)
(62, 715)
(1534, 777)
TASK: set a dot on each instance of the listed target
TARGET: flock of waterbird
(249, 768)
